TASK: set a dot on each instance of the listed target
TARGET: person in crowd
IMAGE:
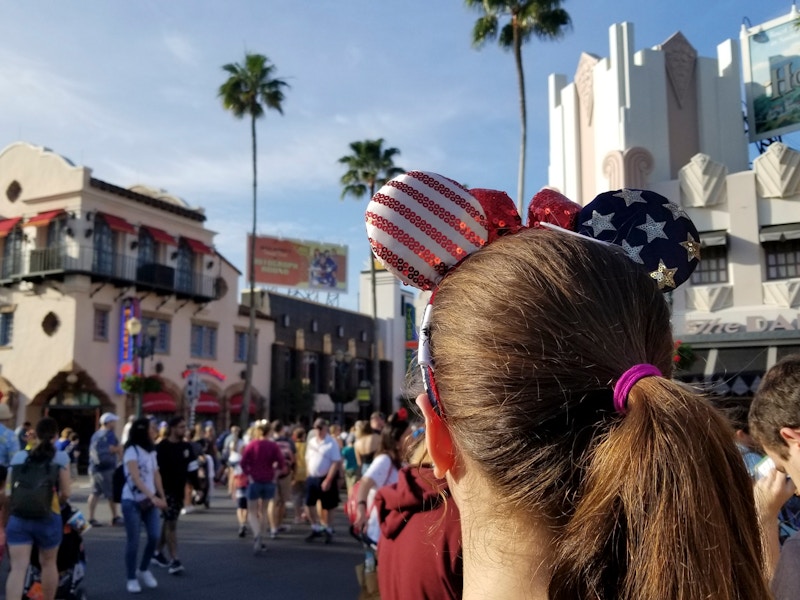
(299, 475)
(367, 446)
(580, 469)
(237, 488)
(4, 507)
(382, 472)
(63, 441)
(283, 487)
(177, 465)
(23, 432)
(142, 498)
(9, 440)
(323, 461)
(262, 459)
(775, 423)
(352, 471)
(420, 533)
(126, 430)
(104, 453)
(73, 450)
(23, 533)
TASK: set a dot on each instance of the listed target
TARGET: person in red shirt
(262, 460)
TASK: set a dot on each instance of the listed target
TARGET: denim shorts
(261, 490)
(45, 533)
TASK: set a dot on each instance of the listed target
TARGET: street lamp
(142, 349)
(343, 361)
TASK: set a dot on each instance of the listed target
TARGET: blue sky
(129, 89)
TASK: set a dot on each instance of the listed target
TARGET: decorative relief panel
(709, 298)
(584, 83)
(777, 172)
(614, 170)
(785, 293)
(703, 182)
(680, 59)
(629, 169)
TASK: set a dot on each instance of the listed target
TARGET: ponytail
(46, 432)
(666, 509)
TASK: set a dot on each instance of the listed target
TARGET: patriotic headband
(420, 225)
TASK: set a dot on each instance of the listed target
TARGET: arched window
(105, 245)
(12, 252)
(147, 248)
(184, 274)
(57, 232)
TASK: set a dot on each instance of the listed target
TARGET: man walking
(262, 459)
(9, 443)
(104, 451)
(323, 460)
(177, 464)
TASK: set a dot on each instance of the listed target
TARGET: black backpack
(33, 484)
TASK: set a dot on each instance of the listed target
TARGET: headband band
(629, 379)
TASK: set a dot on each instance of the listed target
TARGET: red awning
(207, 404)
(235, 405)
(44, 218)
(6, 225)
(158, 402)
(161, 236)
(197, 246)
(117, 223)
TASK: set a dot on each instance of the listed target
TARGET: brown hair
(777, 404)
(654, 504)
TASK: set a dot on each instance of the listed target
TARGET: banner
(126, 353)
(771, 66)
(299, 264)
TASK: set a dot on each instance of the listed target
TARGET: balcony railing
(118, 269)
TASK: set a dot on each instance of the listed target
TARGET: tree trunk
(376, 361)
(524, 123)
(251, 331)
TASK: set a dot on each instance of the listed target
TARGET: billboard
(300, 264)
(771, 65)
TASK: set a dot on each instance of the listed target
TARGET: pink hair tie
(629, 379)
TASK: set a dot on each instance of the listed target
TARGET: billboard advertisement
(300, 264)
(771, 65)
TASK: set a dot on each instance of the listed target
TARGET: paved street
(219, 565)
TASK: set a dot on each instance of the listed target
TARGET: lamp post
(142, 347)
(342, 360)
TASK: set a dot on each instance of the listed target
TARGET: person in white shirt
(323, 461)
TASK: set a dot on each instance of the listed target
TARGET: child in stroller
(71, 561)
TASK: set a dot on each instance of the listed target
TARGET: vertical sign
(412, 340)
(126, 364)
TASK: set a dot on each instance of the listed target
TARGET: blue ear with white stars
(655, 233)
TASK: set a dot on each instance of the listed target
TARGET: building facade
(100, 284)
(668, 120)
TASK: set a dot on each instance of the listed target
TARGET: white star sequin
(600, 223)
(677, 211)
(630, 196)
(653, 229)
(633, 252)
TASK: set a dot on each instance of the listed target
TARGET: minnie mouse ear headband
(422, 225)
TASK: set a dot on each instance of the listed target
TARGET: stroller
(71, 561)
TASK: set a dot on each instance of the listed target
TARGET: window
(240, 347)
(105, 247)
(314, 325)
(147, 248)
(713, 267)
(6, 328)
(340, 331)
(162, 339)
(311, 370)
(204, 341)
(12, 253)
(101, 316)
(783, 259)
(184, 273)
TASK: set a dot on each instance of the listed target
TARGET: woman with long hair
(142, 498)
(22, 532)
(579, 468)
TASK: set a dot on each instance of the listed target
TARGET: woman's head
(394, 436)
(45, 434)
(142, 433)
(528, 337)
(65, 433)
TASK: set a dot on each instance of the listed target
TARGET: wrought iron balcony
(117, 269)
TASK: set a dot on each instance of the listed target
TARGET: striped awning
(117, 223)
(44, 218)
(197, 246)
(207, 404)
(158, 402)
(159, 235)
(6, 225)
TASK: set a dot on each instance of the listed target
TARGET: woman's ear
(437, 438)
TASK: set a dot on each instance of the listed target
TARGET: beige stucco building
(78, 258)
(669, 120)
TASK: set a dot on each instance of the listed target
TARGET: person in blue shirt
(9, 442)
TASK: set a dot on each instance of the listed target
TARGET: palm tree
(368, 167)
(250, 88)
(544, 19)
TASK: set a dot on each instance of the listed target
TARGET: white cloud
(181, 48)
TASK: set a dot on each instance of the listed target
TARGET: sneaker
(257, 544)
(242, 531)
(96, 523)
(147, 579)
(117, 522)
(328, 536)
(133, 587)
(273, 534)
(175, 567)
(314, 534)
(159, 560)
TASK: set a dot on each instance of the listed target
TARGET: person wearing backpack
(104, 452)
(283, 489)
(39, 481)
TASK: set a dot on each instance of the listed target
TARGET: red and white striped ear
(420, 225)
